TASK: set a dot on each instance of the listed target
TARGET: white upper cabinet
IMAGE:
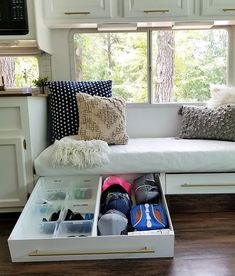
(69, 13)
(225, 8)
(156, 8)
(73, 9)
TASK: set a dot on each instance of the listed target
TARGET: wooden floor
(204, 246)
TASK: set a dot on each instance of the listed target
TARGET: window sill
(162, 105)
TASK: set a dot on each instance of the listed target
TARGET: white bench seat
(153, 155)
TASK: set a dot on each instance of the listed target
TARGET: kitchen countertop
(22, 92)
(5, 94)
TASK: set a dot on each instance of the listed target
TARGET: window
(121, 57)
(155, 66)
(19, 71)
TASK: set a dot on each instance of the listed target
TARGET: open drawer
(42, 232)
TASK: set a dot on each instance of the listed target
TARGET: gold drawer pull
(77, 13)
(156, 11)
(228, 10)
(205, 185)
(38, 253)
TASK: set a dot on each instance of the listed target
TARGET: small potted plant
(41, 83)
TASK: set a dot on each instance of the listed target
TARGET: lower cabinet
(36, 237)
(23, 121)
(12, 171)
(200, 183)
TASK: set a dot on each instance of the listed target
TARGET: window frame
(230, 78)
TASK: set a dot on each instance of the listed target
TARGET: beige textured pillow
(102, 119)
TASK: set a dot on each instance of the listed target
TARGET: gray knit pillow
(206, 123)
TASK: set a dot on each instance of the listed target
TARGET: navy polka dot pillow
(64, 120)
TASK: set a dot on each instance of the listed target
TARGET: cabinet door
(74, 9)
(12, 172)
(223, 8)
(155, 8)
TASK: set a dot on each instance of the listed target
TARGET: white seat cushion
(153, 155)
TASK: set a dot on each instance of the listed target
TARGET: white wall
(45, 68)
(61, 55)
(148, 121)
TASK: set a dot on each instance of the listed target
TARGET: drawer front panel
(111, 247)
(200, 183)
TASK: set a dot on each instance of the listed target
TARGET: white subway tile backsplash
(44, 62)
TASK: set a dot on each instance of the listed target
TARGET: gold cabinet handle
(205, 185)
(24, 144)
(77, 13)
(156, 11)
(38, 253)
(228, 10)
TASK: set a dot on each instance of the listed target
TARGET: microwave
(13, 17)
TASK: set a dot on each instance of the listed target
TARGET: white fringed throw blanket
(84, 154)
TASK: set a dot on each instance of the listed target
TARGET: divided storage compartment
(46, 213)
(74, 229)
(59, 222)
